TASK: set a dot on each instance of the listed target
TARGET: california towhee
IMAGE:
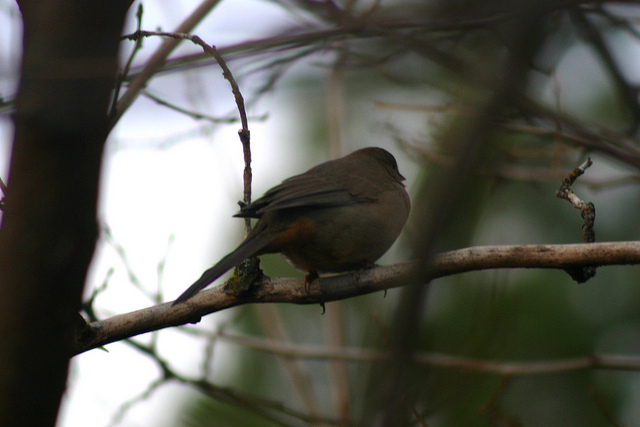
(339, 216)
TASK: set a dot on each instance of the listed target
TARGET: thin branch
(588, 213)
(343, 286)
(604, 408)
(303, 38)
(158, 59)
(127, 67)
(133, 277)
(256, 404)
(593, 36)
(587, 210)
(630, 363)
(126, 406)
(269, 409)
(335, 327)
(300, 379)
(139, 77)
(608, 142)
(210, 50)
(194, 115)
(244, 134)
(510, 171)
(3, 187)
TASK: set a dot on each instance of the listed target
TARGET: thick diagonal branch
(289, 290)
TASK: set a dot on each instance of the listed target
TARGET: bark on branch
(289, 290)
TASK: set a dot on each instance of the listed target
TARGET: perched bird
(341, 215)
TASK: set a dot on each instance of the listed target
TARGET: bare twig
(133, 277)
(593, 35)
(605, 408)
(493, 412)
(158, 59)
(209, 50)
(87, 305)
(126, 406)
(587, 211)
(125, 72)
(271, 324)
(419, 148)
(3, 188)
(303, 38)
(244, 134)
(507, 368)
(271, 410)
(194, 115)
(335, 327)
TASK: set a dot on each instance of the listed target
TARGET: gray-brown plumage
(339, 216)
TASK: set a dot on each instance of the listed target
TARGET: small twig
(493, 412)
(244, 134)
(604, 407)
(419, 418)
(161, 266)
(192, 114)
(158, 60)
(271, 324)
(247, 174)
(506, 170)
(87, 305)
(125, 407)
(133, 277)
(593, 35)
(3, 187)
(269, 409)
(505, 368)
(125, 72)
(588, 213)
(210, 50)
(335, 330)
(208, 354)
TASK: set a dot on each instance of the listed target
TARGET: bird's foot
(308, 279)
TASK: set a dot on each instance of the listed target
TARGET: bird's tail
(248, 248)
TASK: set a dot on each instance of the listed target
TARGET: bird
(341, 215)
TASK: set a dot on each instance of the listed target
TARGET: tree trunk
(49, 225)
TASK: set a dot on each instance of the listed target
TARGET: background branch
(287, 349)
(158, 59)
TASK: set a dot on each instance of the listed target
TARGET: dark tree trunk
(49, 225)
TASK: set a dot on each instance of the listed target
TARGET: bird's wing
(323, 185)
(299, 191)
